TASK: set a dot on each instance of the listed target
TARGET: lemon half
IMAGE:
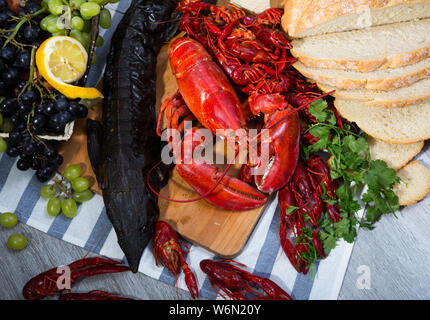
(62, 60)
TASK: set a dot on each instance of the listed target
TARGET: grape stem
(31, 76)
(61, 187)
(20, 23)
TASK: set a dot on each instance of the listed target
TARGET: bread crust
(424, 179)
(301, 15)
(393, 61)
(410, 151)
(405, 102)
(382, 83)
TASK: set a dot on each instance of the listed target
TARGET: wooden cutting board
(225, 233)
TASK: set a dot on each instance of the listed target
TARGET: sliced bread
(418, 92)
(377, 48)
(415, 184)
(393, 125)
(388, 79)
(395, 155)
(304, 18)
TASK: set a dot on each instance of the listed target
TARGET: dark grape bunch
(28, 108)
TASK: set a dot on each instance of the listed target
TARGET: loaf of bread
(395, 155)
(304, 18)
(415, 184)
(393, 125)
(387, 79)
(377, 48)
(418, 92)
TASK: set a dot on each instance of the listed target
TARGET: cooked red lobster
(206, 94)
(227, 49)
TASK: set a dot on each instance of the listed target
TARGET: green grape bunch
(73, 18)
(67, 192)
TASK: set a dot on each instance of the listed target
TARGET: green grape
(48, 191)
(1, 119)
(99, 41)
(89, 9)
(54, 27)
(87, 26)
(78, 36)
(61, 33)
(83, 196)
(17, 242)
(80, 184)
(104, 2)
(47, 21)
(72, 172)
(3, 145)
(54, 207)
(94, 59)
(8, 220)
(87, 38)
(105, 18)
(69, 208)
(77, 23)
(55, 7)
(100, 2)
(114, 1)
(85, 17)
(76, 3)
(6, 126)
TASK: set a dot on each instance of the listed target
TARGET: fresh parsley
(351, 163)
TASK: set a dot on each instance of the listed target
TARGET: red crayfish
(225, 43)
(302, 202)
(47, 283)
(237, 283)
(167, 248)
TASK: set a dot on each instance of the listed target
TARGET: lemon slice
(62, 60)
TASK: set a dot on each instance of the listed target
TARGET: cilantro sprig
(350, 161)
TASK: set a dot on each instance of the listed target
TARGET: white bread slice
(256, 6)
(304, 18)
(388, 79)
(393, 125)
(377, 48)
(395, 155)
(415, 184)
(418, 92)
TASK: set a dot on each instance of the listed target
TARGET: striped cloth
(91, 229)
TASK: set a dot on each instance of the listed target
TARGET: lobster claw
(230, 194)
(284, 134)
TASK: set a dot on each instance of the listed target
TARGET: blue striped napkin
(91, 229)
